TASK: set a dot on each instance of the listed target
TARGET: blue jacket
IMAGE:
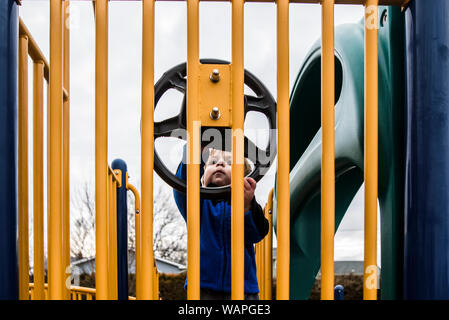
(215, 240)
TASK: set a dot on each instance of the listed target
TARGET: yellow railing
(75, 293)
(114, 182)
(264, 255)
(58, 124)
(57, 165)
(41, 71)
(138, 236)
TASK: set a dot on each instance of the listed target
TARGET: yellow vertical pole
(237, 186)
(110, 240)
(328, 151)
(258, 255)
(101, 148)
(193, 161)
(156, 283)
(66, 147)
(262, 271)
(113, 244)
(56, 266)
(257, 250)
(283, 209)
(23, 168)
(38, 180)
(268, 270)
(138, 260)
(371, 149)
(48, 185)
(137, 235)
(145, 281)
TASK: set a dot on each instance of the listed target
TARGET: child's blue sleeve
(256, 225)
(180, 198)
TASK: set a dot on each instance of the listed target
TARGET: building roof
(87, 265)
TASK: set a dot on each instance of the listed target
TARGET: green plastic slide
(305, 159)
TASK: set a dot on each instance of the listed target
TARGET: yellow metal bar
(371, 149)
(138, 256)
(147, 146)
(328, 152)
(258, 252)
(268, 269)
(283, 197)
(137, 235)
(156, 283)
(23, 169)
(101, 148)
(48, 186)
(262, 270)
(116, 176)
(193, 153)
(38, 180)
(36, 54)
(110, 240)
(66, 149)
(56, 266)
(114, 240)
(237, 186)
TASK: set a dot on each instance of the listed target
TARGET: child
(215, 229)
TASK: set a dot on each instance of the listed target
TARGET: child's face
(218, 168)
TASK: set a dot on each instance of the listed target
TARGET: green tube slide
(305, 150)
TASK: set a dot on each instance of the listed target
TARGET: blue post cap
(339, 292)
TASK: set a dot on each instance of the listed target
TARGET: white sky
(170, 50)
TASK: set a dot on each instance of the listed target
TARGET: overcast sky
(125, 23)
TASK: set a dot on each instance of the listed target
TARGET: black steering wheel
(263, 102)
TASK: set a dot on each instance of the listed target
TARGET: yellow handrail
(36, 54)
(137, 228)
(264, 254)
(75, 293)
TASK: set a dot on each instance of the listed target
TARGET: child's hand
(250, 186)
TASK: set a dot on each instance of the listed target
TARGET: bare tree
(82, 230)
(169, 231)
(170, 234)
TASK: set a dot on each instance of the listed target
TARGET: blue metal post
(339, 292)
(426, 269)
(122, 232)
(9, 29)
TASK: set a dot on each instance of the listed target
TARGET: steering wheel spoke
(178, 82)
(166, 127)
(258, 104)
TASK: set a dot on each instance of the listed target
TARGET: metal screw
(137, 211)
(215, 113)
(215, 75)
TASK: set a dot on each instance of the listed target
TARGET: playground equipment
(349, 161)
(401, 158)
